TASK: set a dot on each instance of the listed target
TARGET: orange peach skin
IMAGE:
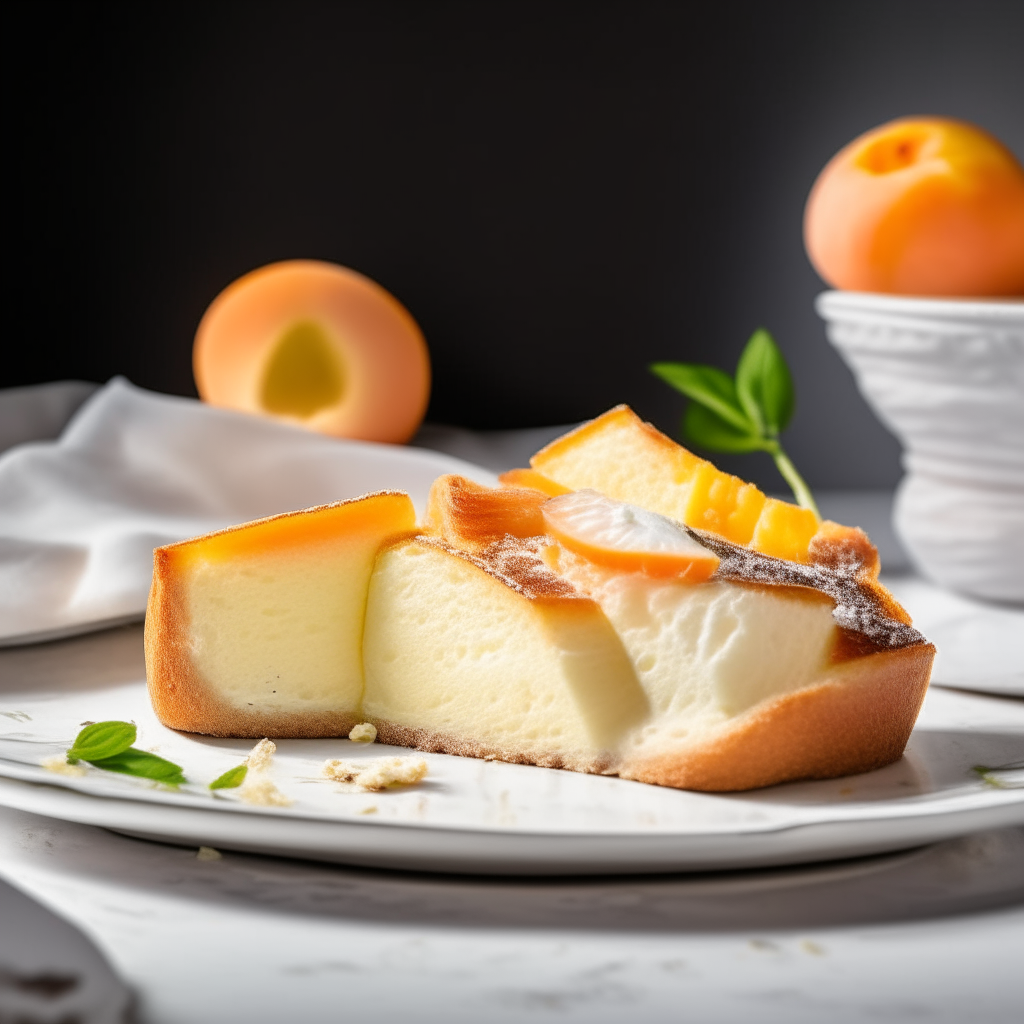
(370, 342)
(920, 206)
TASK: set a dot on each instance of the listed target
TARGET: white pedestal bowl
(947, 377)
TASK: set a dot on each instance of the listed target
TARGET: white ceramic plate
(980, 644)
(487, 817)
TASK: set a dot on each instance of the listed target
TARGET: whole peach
(920, 206)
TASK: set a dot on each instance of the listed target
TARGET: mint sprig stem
(745, 413)
(797, 484)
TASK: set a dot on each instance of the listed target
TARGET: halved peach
(626, 537)
(316, 345)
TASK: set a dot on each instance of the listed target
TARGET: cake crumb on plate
(260, 755)
(59, 764)
(379, 773)
(261, 792)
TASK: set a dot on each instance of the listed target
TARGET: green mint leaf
(231, 779)
(764, 386)
(707, 429)
(102, 739)
(711, 387)
(141, 764)
(744, 415)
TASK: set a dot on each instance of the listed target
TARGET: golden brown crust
(839, 546)
(617, 414)
(183, 701)
(466, 514)
(280, 517)
(441, 743)
(858, 719)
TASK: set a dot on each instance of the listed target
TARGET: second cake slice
(257, 630)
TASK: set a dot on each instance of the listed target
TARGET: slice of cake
(622, 609)
(258, 630)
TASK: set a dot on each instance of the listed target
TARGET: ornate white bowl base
(963, 537)
(947, 377)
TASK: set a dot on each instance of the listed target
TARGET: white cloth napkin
(80, 516)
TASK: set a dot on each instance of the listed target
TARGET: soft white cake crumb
(365, 732)
(260, 755)
(208, 853)
(59, 764)
(379, 773)
(261, 792)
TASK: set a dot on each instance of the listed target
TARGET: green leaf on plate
(231, 779)
(764, 386)
(141, 764)
(706, 428)
(102, 739)
(710, 387)
(988, 776)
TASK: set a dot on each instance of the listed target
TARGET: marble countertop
(931, 934)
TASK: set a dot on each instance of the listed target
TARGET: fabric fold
(132, 470)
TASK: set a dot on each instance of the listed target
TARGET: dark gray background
(559, 193)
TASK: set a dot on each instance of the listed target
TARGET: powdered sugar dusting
(518, 564)
(862, 604)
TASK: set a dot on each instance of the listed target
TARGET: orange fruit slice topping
(626, 537)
